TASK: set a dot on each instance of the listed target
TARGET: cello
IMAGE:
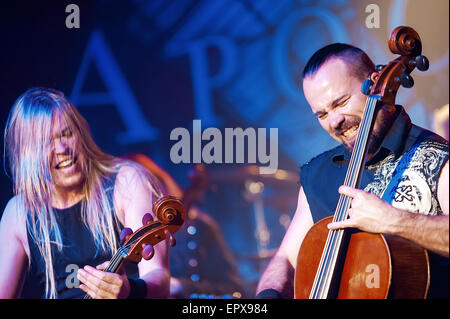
(351, 264)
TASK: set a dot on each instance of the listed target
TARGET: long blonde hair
(28, 136)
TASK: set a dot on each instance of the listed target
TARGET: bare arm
(136, 200)
(370, 213)
(279, 274)
(13, 256)
(431, 232)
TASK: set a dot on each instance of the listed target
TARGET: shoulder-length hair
(28, 140)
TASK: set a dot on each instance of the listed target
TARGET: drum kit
(279, 191)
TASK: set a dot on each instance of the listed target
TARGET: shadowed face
(334, 95)
(65, 157)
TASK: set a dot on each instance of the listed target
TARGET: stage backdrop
(139, 69)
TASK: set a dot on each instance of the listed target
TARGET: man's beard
(373, 143)
(383, 122)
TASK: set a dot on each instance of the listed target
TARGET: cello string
(342, 212)
(351, 176)
(336, 236)
(353, 180)
(356, 161)
(331, 240)
(329, 257)
(113, 265)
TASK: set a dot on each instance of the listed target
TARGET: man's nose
(336, 120)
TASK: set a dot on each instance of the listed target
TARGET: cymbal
(243, 174)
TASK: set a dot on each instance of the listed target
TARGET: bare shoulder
(14, 251)
(13, 222)
(130, 174)
(11, 207)
(133, 187)
(12, 214)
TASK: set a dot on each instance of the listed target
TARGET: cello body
(375, 266)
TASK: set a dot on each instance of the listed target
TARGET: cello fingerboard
(333, 245)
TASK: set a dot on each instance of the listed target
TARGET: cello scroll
(406, 42)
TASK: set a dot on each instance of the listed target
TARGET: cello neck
(114, 264)
(333, 245)
(359, 153)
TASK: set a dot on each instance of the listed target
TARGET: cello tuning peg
(172, 240)
(125, 234)
(405, 80)
(147, 252)
(366, 87)
(421, 62)
(147, 218)
(379, 67)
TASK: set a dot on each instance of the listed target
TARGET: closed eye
(66, 133)
(341, 102)
(321, 115)
(337, 103)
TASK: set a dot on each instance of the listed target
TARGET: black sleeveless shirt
(79, 249)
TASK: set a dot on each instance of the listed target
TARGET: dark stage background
(138, 69)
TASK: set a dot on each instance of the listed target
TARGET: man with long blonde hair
(70, 200)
